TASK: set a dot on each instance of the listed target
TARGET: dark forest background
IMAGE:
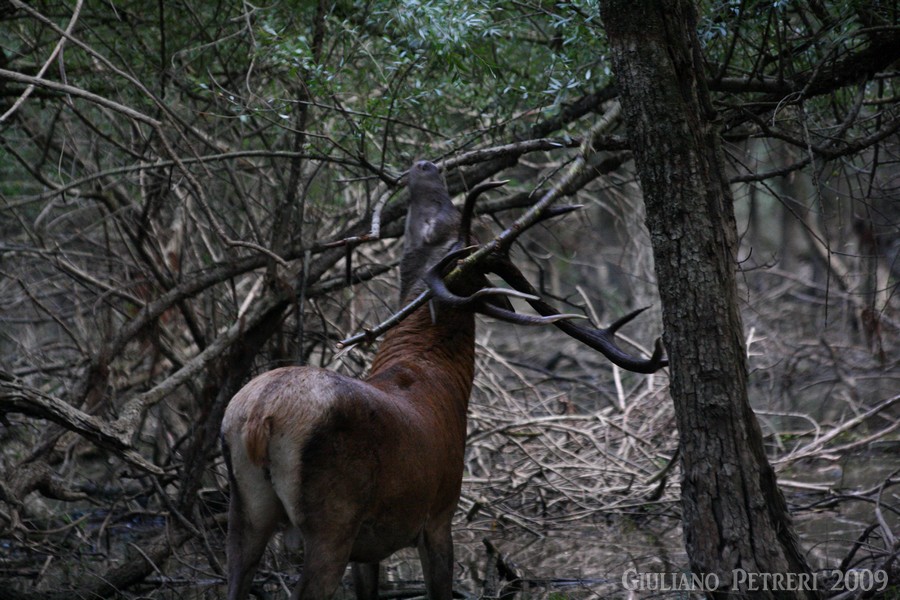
(196, 192)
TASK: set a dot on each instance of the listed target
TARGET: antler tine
(617, 324)
(433, 278)
(520, 319)
(469, 207)
(602, 340)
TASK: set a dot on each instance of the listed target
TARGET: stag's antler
(434, 279)
(602, 340)
(469, 208)
(499, 263)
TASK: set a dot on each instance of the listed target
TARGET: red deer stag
(365, 467)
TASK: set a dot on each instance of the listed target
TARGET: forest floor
(839, 508)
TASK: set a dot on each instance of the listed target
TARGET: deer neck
(434, 351)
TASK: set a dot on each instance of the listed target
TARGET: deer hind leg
(245, 545)
(325, 558)
(436, 553)
(254, 513)
(365, 580)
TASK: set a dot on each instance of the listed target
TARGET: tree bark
(734, 515)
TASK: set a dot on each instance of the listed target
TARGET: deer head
(485, 299)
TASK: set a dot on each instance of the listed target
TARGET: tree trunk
(734, 515)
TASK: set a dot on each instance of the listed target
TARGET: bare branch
(79, 93)
(16, 397)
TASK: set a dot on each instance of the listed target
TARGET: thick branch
(17, 397)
